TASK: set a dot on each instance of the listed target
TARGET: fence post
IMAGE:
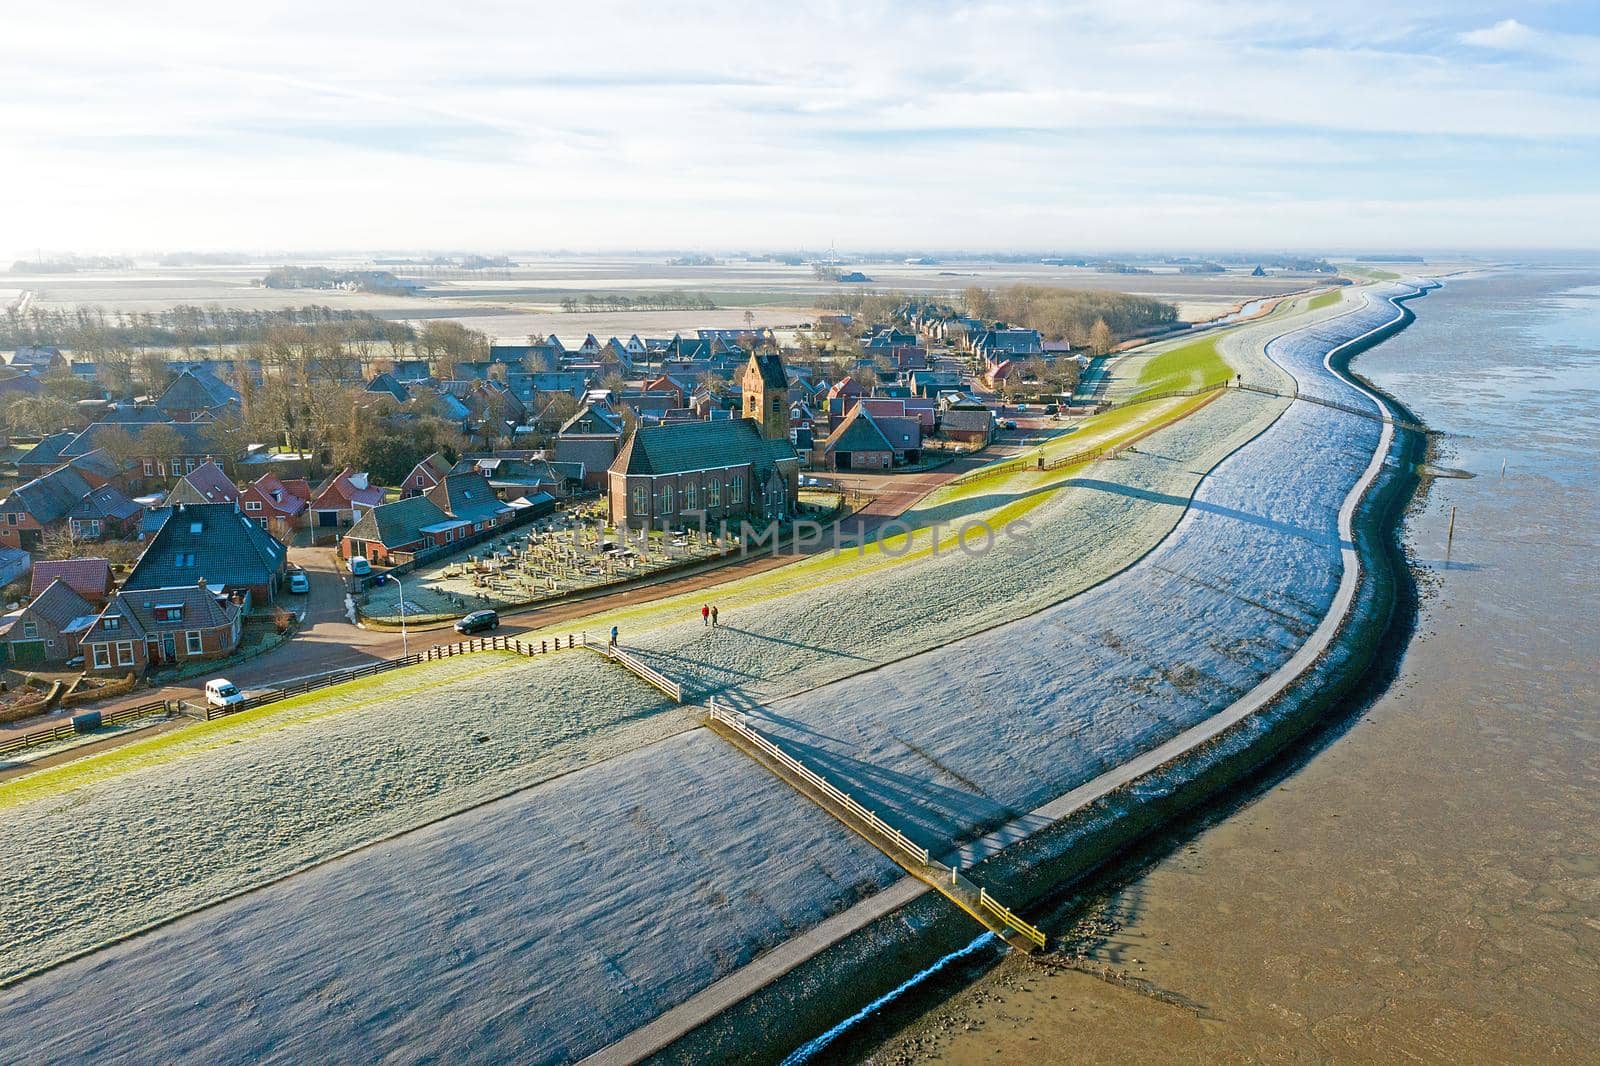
(544, 646)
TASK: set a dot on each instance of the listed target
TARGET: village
(149, 541)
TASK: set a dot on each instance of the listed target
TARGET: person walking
(613, 636)
(705, 615)
(713, 616)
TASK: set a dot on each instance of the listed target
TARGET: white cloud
(712, 124)
(1508, 34)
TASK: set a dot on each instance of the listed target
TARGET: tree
(228, 440)
(151, 372)
(162, 443)
(1100, 339)
(39, 415)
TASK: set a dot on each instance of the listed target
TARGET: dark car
(478, 621)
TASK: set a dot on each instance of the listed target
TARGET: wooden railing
(1005, 914)
(89, 722)
(975, 899)
(736, 723)
(643, 669)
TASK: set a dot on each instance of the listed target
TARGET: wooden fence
(915, 858)
(642, 668)
(736, 723)
(1337, 406)
(89, 721)
(526, 648)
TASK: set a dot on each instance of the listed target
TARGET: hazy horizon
(1471, 127)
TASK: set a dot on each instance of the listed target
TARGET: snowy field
(545, 925)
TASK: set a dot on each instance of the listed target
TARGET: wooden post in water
(1502, 469)
(1450, 536)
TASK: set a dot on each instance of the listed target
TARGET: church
(681, 474)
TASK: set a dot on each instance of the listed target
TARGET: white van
(220, 692)
(359, 566)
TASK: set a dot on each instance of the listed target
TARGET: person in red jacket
(705, 615)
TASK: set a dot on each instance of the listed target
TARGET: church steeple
(766, 394)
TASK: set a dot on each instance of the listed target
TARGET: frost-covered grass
(104, 845)
(543, 926)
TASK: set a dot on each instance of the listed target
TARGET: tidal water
(1422, 883)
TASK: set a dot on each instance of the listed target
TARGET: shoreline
(1095, 824)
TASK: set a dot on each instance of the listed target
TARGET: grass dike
(873, 962)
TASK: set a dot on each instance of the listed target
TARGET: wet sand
(1423, 882)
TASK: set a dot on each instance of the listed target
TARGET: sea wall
(857, 970)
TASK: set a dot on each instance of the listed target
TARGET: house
(214, 542)
(44, 456)
(191, 440)
(279, 506)
(387, 385)
(105, 511)
(98, 468)
(858, 443)
(341, 500)
(683, 473)
(967, 426)
(62, 496)
(162, 626)
(49, 629)
(1006, 342)
(513, 475)
(469, 497)
(206, 483)
(424, 476)
(37, 360)
(591, 437)
(392, 532)
(88, 577)
(197, 394)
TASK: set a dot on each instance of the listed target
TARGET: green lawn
(1369, 272)
(1327, 299)
(1191, 366)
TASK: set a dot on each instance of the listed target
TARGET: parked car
(220, 692)
(298, 581)
(360, 567)
(1052, 409)
(1008, 423)
(477, 622)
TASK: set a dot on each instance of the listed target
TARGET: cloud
(1507, 34)
(713, 122)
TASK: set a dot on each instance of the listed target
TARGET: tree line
(641, 301)
(87, 329)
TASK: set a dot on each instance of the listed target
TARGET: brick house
(470, 497)
(341, 500)
(859, 443)
(215, 543)
(206, 483)
(967, 426)
(49, 629)
(592, 437)
(162, 626)
(276, 505)
(61, 497)
(393, 532)
(88, 577)
(193, 440)
(424, 476)
(197, 395)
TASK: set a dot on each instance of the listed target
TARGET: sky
(1171, 124)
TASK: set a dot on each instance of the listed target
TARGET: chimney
(201, 583)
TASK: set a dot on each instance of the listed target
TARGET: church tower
(766, 395)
